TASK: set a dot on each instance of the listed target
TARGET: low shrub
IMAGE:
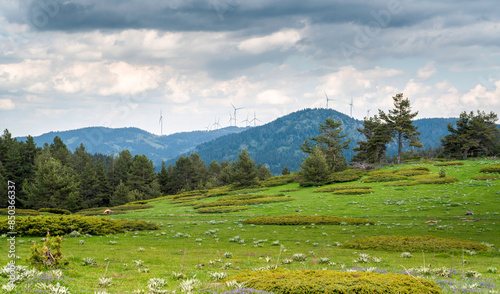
(411, 172)
(353, 191)
(383, 177)
(422, 168)
(402, 183)
(278, 181)
(186, 199)
(491, 169)
(221, 209)
(327, 281)
(414, 243)
(189, 194)
(5, 211)
(243, 197)
(381, 172)
(65, 224)
(285, 220)
(448, 163)
(290, 190)
(116, 209)
(49, 254)
(485, 177)
(217, 192)
(55, 210)
(340, 187)
(253, 201)
(348, 175)
(137, 202)
(434, 179)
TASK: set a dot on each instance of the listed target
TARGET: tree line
(54, 177)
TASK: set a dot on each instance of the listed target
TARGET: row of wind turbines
(350, 104)
(232, 117)
(216, 125)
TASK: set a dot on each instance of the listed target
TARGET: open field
(200, 244)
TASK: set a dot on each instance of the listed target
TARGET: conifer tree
(377, 137)
(314, 169)
(285, 171)
(400, 121)
(142, 175)
(474, 135)
(244, 172)
(120, 196)
(331, 143)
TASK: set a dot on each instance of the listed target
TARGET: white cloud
(7, 104)
(273, 97)
(282, 40)
(427, 71)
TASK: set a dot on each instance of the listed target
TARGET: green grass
(395, 210)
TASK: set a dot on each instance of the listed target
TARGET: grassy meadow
(198, 245)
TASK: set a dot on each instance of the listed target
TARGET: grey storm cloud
(233, 15)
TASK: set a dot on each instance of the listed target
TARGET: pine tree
(285, 171)
(59, 151)
(400, 122)
(121, 168)
(142, 175)
(377, 136)
(244, 172)
(474, 135)
(120, 196)
(263, 172)
(164, 179)
(331, 143)
(54, 185)
(314, 169)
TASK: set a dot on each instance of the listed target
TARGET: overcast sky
(67, 64)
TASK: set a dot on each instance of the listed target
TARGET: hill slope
(157, 148)
(277, 143)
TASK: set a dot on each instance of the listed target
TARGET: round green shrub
(383, 177)
(411, 172)
(340, 187)
(55, 210)
(279, 181)
(221, 209)
(353, 191)
(414, 243)
(65, 224)
(284, 220)
(5, 211)
(348, 175)
(491, 169)
(485, 177)
(434, 179)
(402, 183)
(327, 281)
(448, 163)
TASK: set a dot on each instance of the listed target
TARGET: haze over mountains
(276, 144)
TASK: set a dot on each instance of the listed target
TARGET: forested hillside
(112, 141)
(277, 144)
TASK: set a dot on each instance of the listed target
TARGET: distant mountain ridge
(113, 140)
(276, 144)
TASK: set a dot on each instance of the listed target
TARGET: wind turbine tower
(368, 113)
(235, 110)
(327, 99)
(350, 104)
(161, 123)
(255, 119)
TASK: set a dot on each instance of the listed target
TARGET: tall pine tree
(400, 122)
(377, 136)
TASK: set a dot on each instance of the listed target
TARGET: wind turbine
(368, 113)
(350, 104)
(216, 124)
(254, 119)
(327, 99)
(208, 127)
(246, 120)
(230, 118)
(235, 110)
(161, 123)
